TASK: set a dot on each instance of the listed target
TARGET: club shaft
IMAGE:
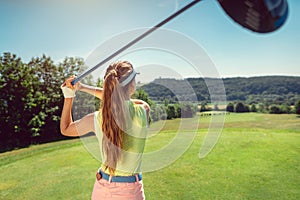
(87, 72)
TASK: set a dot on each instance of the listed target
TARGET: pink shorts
(103, 189)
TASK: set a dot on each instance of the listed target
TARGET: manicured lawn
(257, 157)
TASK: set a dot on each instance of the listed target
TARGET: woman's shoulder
(137, 101)
(141, 103)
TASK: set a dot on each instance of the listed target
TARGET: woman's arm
(67, 126)
(95, 91)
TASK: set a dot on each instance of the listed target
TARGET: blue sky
(77, 27)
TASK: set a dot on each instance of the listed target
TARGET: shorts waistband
(121, 179)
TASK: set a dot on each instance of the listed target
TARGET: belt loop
(110, 177)
(136, 178)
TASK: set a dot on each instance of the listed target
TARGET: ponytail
(114, 119)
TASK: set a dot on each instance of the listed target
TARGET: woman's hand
(78, 85)
(68, 82)
(68, 89)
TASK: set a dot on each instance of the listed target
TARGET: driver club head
(261, 16)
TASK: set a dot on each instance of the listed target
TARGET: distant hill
(270, 89)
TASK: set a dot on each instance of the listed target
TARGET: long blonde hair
(115, 113)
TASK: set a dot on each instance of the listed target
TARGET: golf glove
(68, 92)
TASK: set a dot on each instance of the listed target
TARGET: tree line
(31, 99)
(166, 110)
(271, 90)
(240, 107)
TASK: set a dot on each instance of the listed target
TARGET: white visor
(128, 78)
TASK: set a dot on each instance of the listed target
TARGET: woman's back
(133, 141)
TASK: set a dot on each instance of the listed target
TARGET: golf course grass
(257, 157)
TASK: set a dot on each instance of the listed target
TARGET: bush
(261, 108)
(297, 107)
(204, 107)
(240, 107)
(274, 109)
(285, 108)
(171, 112)
(157, 113)
(187, 111)
(253, 108)
(230, 107)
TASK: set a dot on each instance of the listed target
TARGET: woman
(120, 126)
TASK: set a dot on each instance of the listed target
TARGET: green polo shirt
(133, 141)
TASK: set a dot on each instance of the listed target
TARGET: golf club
(260, 16)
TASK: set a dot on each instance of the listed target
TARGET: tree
(177, 110)
(274, 109)
(48, 94)
(187, 111)
(166, 102)
(261, 108)
(141, 94)
(240, 107)
(204, 107)
(285, 108)
(17, 102)
(230, 107)
(155, 113)
(253, 108)
(216, 108)
(171, 112)
(297, 107)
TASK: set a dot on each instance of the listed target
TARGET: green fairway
(257, 157)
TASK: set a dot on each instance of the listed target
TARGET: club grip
(74, 81)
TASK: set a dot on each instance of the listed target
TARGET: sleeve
(141, 115)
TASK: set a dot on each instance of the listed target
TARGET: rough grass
(257, 157)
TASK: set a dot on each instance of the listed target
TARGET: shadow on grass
(298, 116)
